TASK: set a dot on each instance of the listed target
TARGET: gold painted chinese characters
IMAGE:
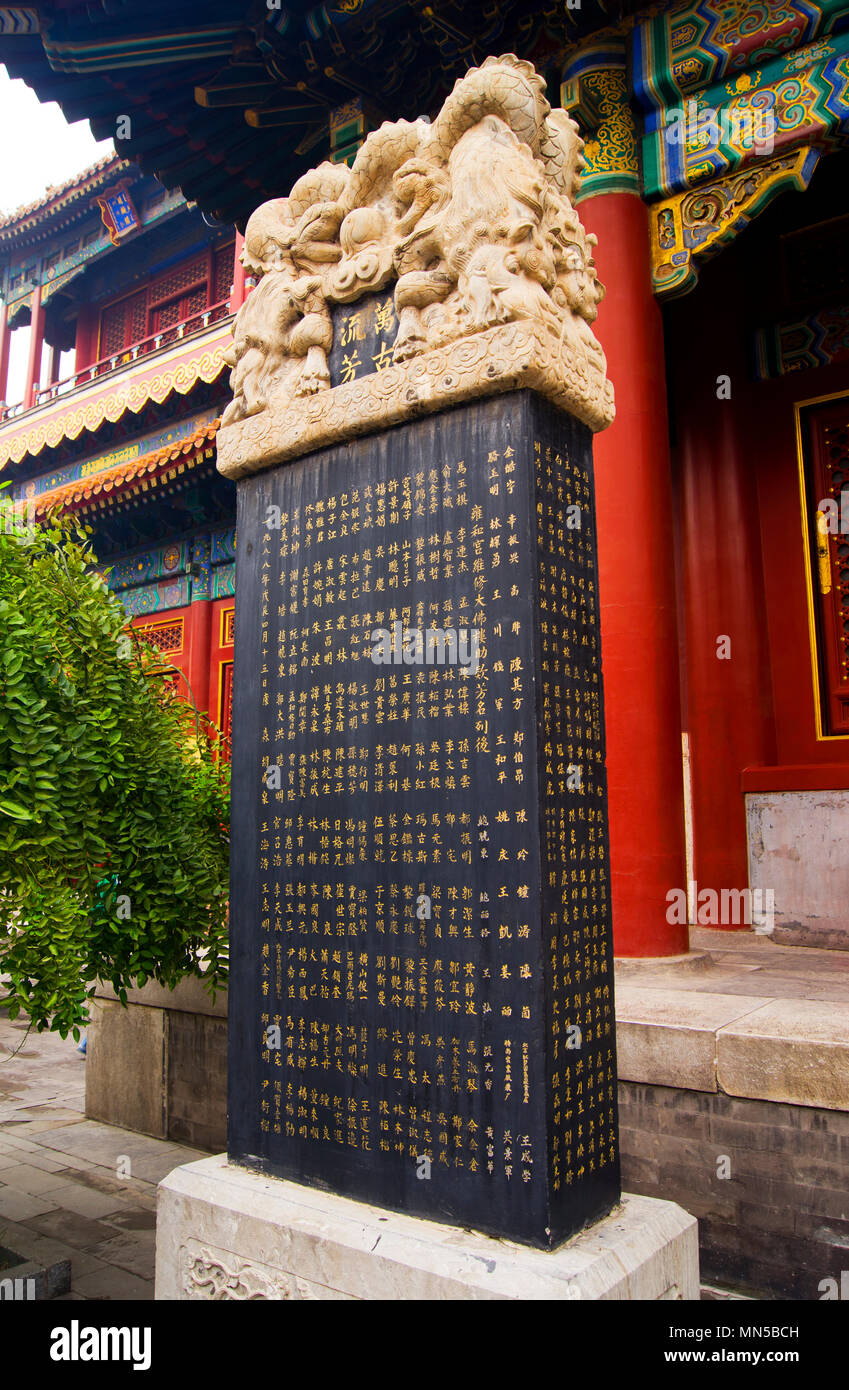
(471, 220)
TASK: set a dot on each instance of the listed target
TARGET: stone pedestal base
(224, 1232)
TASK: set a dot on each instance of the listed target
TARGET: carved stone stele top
(469, 222)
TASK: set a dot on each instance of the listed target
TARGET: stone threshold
(791, 1050)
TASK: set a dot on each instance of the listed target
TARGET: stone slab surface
(797, 848)
(74, 1194)
(791, 1050)
(668, 1038)
(31, 1280)
(490, 1109)
(125, 1067)
(188, 997)
(160, 1070)
(763, 1021)
(224, 1232)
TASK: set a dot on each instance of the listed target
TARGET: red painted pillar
(5, 343)
(637, 592)
(729, 707)
(84, 346)
(199, 634)
(238, 294)
(36, 341)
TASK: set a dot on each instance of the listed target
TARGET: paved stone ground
(741, 962)
(72, 1188)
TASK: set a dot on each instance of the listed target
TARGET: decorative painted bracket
(688, 229)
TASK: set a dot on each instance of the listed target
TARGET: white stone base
(224, 1232)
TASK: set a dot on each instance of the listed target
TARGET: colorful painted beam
(595, 92)
(793, 346)
(688, 47)
(797, 98)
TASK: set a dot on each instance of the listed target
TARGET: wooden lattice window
(122, 324)
(826, 441)
(180, 278)
(223, 273)
(112, 330)
(167, 637)
(137, 315)
(172, 297)
(177, 310)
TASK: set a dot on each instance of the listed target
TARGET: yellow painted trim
(152, 377)
(225, 613)
(798, 407)
(742, 192)
(222, 666)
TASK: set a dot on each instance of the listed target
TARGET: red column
(637, 592)
(85, 345)
(53, 363)
(5, 342)
(729, 709)
(199, 635)
(36, 341)
(238, 294)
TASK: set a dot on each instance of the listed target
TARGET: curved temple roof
(57, 200)
(231, 101)
(144, 472)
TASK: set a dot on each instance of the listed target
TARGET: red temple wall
(743, 574)
(198, 640)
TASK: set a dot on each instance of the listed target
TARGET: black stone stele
(421, 1007)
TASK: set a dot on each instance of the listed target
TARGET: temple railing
(155, 342)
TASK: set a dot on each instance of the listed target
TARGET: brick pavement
(72, 1188)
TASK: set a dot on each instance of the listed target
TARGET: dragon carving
(471, 218)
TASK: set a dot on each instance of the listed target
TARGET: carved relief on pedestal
(469, 222)
(210, 1273)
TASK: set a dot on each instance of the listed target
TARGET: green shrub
(113, 806)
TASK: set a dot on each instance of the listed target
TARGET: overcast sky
(39, 149)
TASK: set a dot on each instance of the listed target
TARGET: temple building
(717, 168)
(723, 603)
(128, 294)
